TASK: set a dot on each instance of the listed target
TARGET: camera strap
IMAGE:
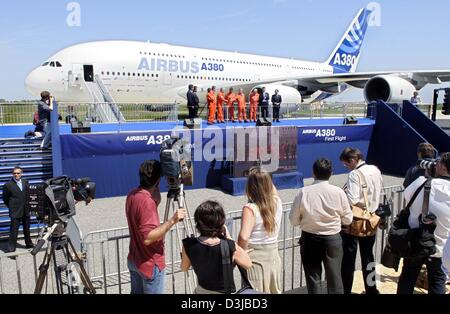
(426, 198)
(364, 188)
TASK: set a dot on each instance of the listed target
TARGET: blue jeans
(141, 285)
(47, 135)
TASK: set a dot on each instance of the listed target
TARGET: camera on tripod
(55, 199)
(429, 165)
(175, 162)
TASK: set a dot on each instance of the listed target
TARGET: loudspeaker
(81, 126)
(350, 120)
(193, 124)
(264, 122)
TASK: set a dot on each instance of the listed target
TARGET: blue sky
(413, 34)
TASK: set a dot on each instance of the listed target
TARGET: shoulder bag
(364, 222)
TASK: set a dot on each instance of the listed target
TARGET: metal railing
(298, 111)
(106, 252)
(131, 112)
(95, 112)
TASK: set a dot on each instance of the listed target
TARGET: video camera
(429, 165)
(55, 200)
(175, 162)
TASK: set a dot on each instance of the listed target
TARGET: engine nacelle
(390, 89)
(290, 95)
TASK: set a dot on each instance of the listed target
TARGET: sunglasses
(17, 172)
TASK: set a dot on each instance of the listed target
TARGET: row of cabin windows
(210, 59)
(162, 55)
(212, 78)
(130, 74)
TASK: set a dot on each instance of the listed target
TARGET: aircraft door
(88, 71)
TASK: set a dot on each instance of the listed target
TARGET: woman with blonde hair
(261, 220)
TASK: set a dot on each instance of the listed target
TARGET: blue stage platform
(112, 153)
(17, 131)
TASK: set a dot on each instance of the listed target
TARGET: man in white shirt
(320, 210)
(416, 99)
(353, 160)
(439, 205)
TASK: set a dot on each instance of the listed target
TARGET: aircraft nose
(33, 83)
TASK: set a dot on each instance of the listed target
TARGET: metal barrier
(106, 252)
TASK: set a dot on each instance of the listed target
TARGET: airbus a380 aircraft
(126, 71)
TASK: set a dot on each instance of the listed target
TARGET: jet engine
(390, 89)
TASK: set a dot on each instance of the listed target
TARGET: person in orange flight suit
(241, 106)
(254, 102)
(220, 101)
(231, 98)
(211, 99)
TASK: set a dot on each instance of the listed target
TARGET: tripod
(70, 274)
(177, 195)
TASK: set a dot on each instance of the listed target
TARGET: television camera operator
(438, 219)
(146, 259)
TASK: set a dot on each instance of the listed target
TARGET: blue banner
(334, 134)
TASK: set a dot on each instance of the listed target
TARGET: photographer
(146, 260)
(45, 107)
(353, 160)
(439, 206)
(425, 151)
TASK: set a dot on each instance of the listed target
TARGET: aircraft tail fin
(345, 56)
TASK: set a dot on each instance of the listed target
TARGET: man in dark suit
(191, 101)
(264, 104)
(14, 198)
(276, 102)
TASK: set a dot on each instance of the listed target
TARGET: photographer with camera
(439, 219)
(363, 189)
(146, 260)
(425, 151)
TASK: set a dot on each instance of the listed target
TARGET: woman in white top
(261, 220)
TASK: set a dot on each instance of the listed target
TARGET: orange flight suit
(220, 101)
(254, 102)
(241, 107)
(211, 99)
(231, 98)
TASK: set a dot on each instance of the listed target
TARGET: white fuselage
(146, 72)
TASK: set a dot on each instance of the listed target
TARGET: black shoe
(29, 246)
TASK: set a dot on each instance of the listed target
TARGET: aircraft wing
(359, 79)
(418, 78)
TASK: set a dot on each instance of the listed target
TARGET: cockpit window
(58, 64)
(52, 64)
(45, 64)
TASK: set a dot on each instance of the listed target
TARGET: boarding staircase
(106, 108)
(37, 167)
(399, 129)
